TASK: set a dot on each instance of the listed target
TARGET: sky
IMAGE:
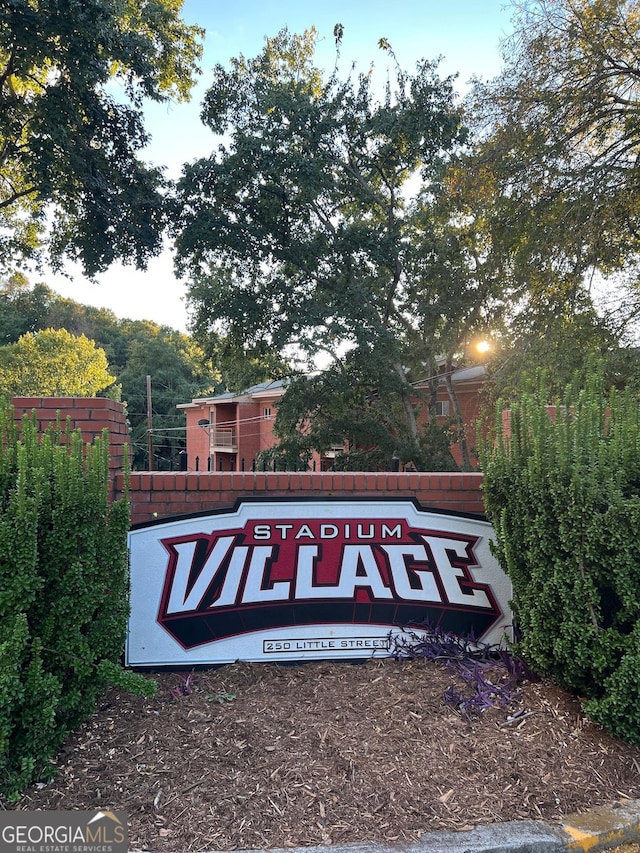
(466, 33)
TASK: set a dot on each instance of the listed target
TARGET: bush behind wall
(63, 592)
(564, 497)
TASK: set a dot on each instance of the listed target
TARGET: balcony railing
(223, 439)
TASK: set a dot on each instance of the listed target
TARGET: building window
(266, 413)
(442, 408)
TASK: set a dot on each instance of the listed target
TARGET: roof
(262, 389)
(465, 374)
(277, 387)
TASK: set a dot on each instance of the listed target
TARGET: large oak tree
(298, 234)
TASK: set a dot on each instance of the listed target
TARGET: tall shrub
(63, 592)
(562, 489)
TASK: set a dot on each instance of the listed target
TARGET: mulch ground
(262, 755)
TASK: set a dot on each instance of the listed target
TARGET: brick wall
(159, 495)
(91, 416)
(156, 495)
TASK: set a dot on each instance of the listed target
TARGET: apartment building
(226, 432)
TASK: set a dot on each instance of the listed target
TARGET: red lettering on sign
(318, 571)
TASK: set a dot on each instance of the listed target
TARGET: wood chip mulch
(263, 755)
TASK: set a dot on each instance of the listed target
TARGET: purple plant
(185, 688)
(491, 673)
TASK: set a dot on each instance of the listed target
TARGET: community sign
(309, 579)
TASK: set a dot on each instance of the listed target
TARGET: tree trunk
(464, 447)
(407, 403)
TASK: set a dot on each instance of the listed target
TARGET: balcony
(223, 441)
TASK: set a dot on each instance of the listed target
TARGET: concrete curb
(599, 829)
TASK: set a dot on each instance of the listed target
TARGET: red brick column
(90, 415)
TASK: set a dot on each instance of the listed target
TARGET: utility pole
(149, 425)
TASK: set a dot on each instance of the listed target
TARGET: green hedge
(63, 592)
(564, 498)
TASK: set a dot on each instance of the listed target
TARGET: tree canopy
(560, 131)
(53, 363)
(22, 308)
(73, 77)
(303, 234)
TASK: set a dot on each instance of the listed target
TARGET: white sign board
(308, 579)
